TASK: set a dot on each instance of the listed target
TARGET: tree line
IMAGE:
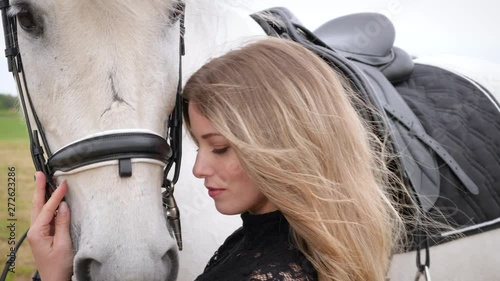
(7, 102)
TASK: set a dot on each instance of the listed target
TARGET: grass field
(14, 152)
(12, 127)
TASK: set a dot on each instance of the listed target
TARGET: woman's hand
(49, 236)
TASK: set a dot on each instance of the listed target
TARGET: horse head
(94, 72)
(94, 68)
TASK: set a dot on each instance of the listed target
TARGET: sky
(423, 27)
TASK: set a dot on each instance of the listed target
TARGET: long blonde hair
(292, 122)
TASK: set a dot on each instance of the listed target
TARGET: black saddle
(361, 47)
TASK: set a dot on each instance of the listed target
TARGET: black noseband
(118, 146)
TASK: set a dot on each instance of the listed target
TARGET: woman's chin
(228, 211)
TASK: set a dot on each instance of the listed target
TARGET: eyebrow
(209, 135)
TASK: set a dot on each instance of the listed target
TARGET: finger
(62, 239)
(38, 241)
(47, 213)
(38, 196)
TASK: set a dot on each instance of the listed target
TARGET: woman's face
(226, 181)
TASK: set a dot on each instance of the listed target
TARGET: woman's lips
(213, 192)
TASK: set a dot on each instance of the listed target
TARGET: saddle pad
(467, 124)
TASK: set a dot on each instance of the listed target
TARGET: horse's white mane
(220, 25)
(212, 28)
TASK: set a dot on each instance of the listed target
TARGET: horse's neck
(213, 28)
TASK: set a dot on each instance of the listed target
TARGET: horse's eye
(27, 21)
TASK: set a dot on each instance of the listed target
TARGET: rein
(105, 148)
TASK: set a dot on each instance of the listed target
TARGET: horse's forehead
(112, 5)
(129, 8)
(137, 19)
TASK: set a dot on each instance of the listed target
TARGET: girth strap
(416, 147)
(436, 147)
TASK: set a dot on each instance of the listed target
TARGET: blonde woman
(281, 144)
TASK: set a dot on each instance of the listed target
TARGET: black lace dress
(259, 251)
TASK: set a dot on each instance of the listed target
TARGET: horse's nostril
(85, 267)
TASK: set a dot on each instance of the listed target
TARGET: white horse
(97, 66)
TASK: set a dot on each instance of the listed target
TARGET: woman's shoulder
(232, 240)
(226, 247)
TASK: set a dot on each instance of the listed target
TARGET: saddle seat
(368, 38)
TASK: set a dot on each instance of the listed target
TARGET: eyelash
(217, 150)
(220, 150)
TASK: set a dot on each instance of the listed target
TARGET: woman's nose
(202, 167)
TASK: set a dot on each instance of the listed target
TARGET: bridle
(107, 148)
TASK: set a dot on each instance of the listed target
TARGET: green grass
(14, 152)
(12, 126)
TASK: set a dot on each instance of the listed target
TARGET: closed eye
(220, 150)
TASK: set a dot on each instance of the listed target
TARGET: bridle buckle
(425, 273)
(172, 211)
